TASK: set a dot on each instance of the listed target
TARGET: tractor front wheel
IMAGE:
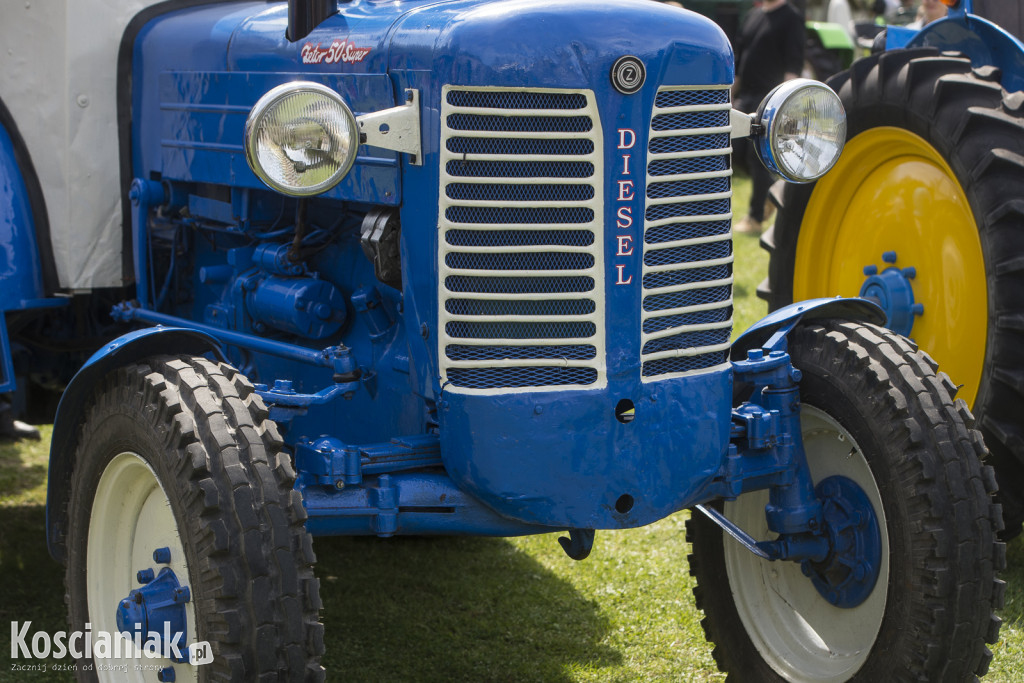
(183, 523)
(881, 431)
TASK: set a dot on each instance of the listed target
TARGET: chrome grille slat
(687, 259)
(520, 241)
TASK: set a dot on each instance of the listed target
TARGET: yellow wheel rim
(891, 191)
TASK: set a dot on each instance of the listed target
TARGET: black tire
(205, 436)
(978, 129)
(935, 613)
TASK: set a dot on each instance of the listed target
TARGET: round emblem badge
(628, 74)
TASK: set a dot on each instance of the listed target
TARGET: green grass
(470, 609)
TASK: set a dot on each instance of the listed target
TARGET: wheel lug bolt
(162, 555)
(144, 576)
(165, 675)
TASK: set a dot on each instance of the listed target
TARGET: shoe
(747, 226)
(16, 430)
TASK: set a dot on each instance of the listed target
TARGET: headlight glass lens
(301, 139)
(806, 130)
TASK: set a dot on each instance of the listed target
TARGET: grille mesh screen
(687, 263)
(521, 259)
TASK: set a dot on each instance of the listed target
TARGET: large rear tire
(931, 172)
(875, 413)
(178, 469)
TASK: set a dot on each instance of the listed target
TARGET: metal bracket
(741, 123)
(397, 129)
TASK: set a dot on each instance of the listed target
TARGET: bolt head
(144, 576)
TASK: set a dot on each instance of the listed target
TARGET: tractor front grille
(520, 241)
(687, 259)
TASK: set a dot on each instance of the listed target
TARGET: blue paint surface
(21, 278)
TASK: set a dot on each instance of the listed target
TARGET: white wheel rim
(798, 633)
(131, 517)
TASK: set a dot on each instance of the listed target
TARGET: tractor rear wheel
(875, 418)
(927, 189)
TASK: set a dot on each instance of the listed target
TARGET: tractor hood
(189, 105)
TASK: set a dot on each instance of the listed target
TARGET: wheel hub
(892, 290)
(848, 574)
(154, 614)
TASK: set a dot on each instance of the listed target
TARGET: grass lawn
(469, 609)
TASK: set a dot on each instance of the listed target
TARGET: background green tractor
(924, 212)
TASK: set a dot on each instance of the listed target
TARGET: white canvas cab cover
(58, 79)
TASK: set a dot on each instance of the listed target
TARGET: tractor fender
(23, 266)
(984, 43)
(861, 310)
(128, 348)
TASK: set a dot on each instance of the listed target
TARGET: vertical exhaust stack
(306, 15)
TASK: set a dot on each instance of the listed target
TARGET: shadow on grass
(405, 609)
(452, 609)
(31, 585)
(16, 475)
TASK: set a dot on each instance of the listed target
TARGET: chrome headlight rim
(266, 104)
(767, 118)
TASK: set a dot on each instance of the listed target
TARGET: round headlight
(301, 138)
(803, 126)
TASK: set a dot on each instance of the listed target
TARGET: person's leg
(760, 181)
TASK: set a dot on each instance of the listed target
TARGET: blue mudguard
(762, 332)
(129, 348)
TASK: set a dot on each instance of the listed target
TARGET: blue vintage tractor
(922, 213)
(456, 268)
